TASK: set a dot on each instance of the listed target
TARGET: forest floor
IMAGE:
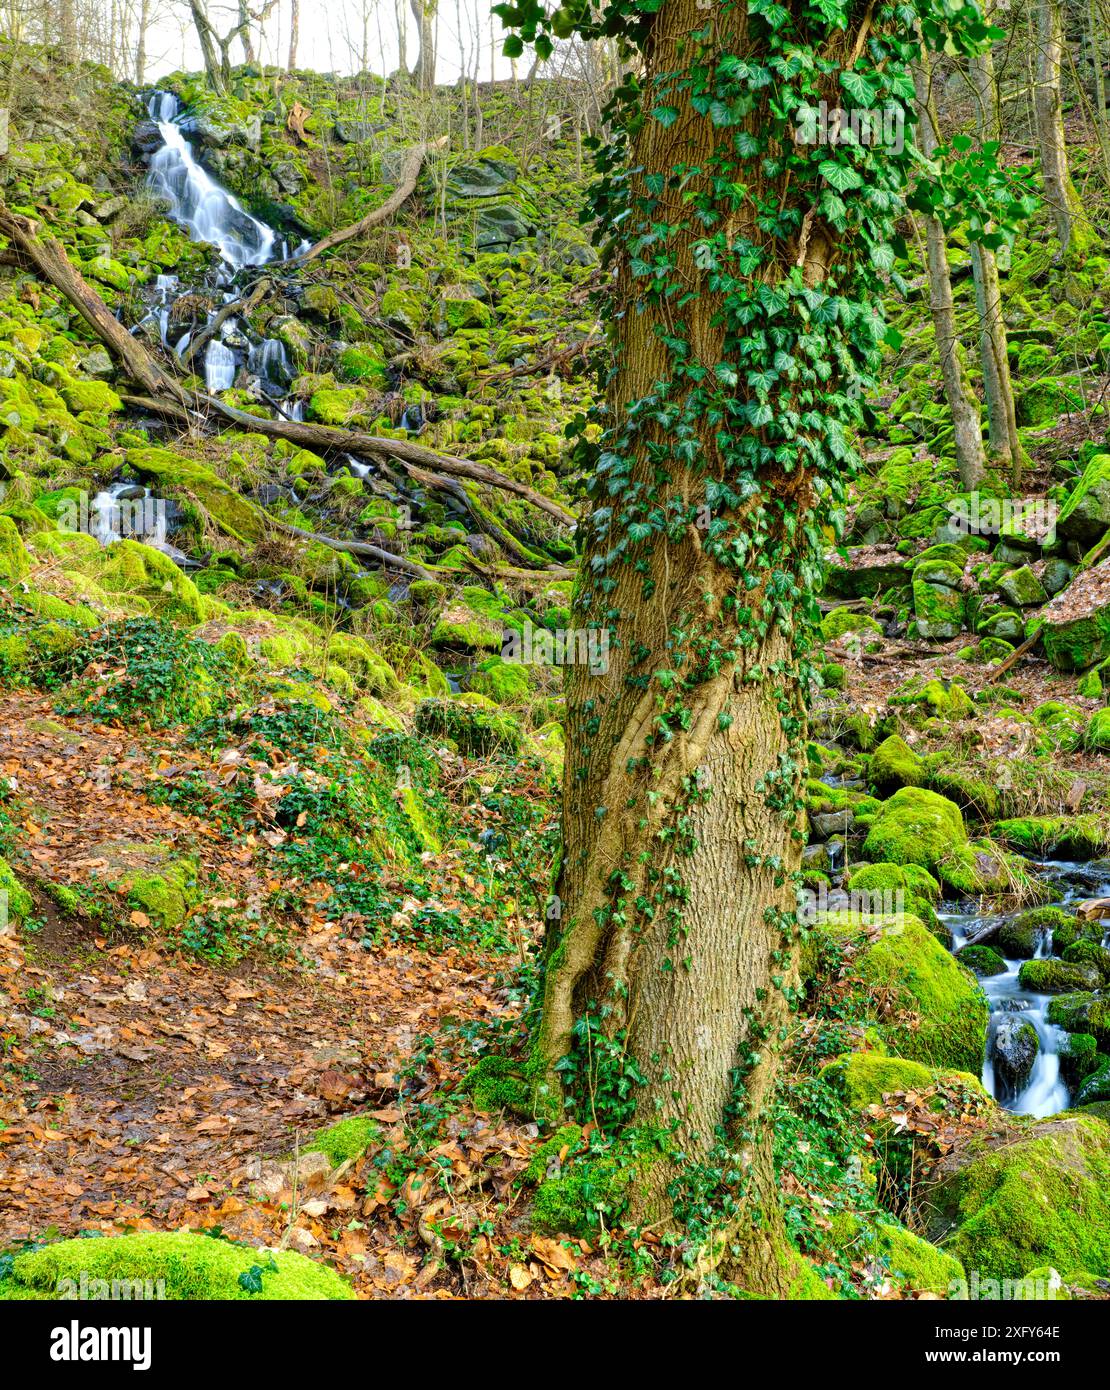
(151, 1089)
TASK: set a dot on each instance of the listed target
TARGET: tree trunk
(1003, 440)
(294, 34)
(1059, 190)
(424, 74)
(1102, 121)
(962, 404)
(207, 37)
(675, 939)
(250, 57)
(140, 43)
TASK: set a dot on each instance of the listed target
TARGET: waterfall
(207, 211)
(219, 366)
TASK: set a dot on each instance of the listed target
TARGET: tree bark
(294, 34)
(674, 940)
(1059, 190)
(1002, 435)
(424, 12)
(962, 404)
(208, 47)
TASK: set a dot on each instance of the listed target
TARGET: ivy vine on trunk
(747, 246)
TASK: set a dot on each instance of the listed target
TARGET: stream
(209, 213)
(1044, 1092)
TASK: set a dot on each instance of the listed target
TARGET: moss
(1042, 1200)
(983, 960)
(165, 896)
(586, 1194)
(419, 819)
(1019, 939)
(933, 1010)
(15, 563)
(1063, 837)
(553, 1151)
(1056, 976)
(865, 1077)
(915, 826)
(845, 620)
(346, 1140)
(475, 731)
(192, 1266)
(1096, 1086)
(14, 898)
(496, 1084)
(507, 682)
(1079, 1056)
(921, 1266)
(894, 764)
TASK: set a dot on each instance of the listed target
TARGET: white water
(205, 209)
(1045, 1092)
(219, 366)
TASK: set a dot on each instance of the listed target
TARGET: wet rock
(1014, 1049)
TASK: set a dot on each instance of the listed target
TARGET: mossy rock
(506, 682)
(497, 1083)
(587, 1194)
(863, 1078)
(894, 764)
(345, 1140)
(1062, 837)
(1085, 516)
(1057, 976)
(916, 826)
(983, 960)
(944, 1013)
(840, 621)
(166, 896)
(1020, 938)
(920, 1266)
(187, 1265)
(1043, 1199)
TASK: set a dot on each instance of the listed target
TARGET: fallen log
(410, 173)
(49, 260)
(363, 549)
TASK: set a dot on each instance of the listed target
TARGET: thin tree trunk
(1102, 121)
(1004, 443)
(424, 12)
(1059, 190)
(294, 33)
(962, 404)
(207, 36)
(140, 44)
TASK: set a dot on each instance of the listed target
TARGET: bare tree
(957, 387)
(1059, 189)
(294, 34)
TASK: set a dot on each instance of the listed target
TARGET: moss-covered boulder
(1041, 1199)
(176, 1265)
(894, 764)
(864, 1078)
(1022, 936)
(15, 901)
(1062, 837)
(916, 826)
(1076, 623)
(1085, 516)
(983, 960)
(933, 1011)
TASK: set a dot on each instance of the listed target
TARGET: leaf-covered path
(143, 1088)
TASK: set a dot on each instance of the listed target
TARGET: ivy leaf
(665, 115)
(841, 176)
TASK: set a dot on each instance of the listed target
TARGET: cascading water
(1043, 1090)
(207, 211)
(219, 366)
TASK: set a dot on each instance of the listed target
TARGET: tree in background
(1059, 190)
(962, 402)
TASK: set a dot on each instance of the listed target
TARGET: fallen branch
(410, 173)
(1015, 655)
(49, 260)
(209, 331)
